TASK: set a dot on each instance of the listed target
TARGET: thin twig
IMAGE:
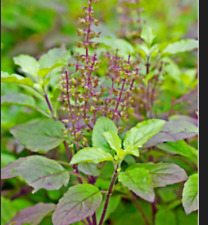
(78, 176)
(134, 199)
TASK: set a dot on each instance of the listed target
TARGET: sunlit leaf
(28, 64)
(92, 155)
(190, 196)
(148, 35)
(143, 131)
(102, 125)
(181, 46)
(16, 79)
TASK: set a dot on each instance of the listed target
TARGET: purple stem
(108, 195)
(49, 106)
(94, 220)
(89, 221)
(65, 144)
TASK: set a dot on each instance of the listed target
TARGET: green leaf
(93, 155)
(123, 46)
(16, 79)
(190, 196)
(139, 181)
(7, 211)
(172, 69)
(51, 58)
(10, 208)
(38, 171)
(44, 71)
(41, 135)
(132, 150)
(148, 35)
(28, 64)
(143, 131)
(18, 99)
(33, 215)
(181, 148)
(78, 203)
(113, 140)
(163, 173)
(102, 125)
(180, 46)
(165, 217)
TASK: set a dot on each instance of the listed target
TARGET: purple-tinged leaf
(190, 196)
(78, 203)
(32, 215)
(40, 135)
(9, 170)
(139, 181)
(163, 173)
(173, 131)
(38, 171)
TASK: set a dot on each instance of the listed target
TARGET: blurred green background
(32, 27)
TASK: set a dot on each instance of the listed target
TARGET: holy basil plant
(81, 201)
(103, 132)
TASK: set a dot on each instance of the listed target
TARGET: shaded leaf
(139, 181)
(32, 215)
(163, 173)
(18, 99)
(40, 135)
(16, 79)
(181, 46)
(173, 131)
(38, 171)
(89, 169)
(143, 131)
(102, 125)
(165, 217)
(93, 155)
(28, 64)
(181, 148)
(79, 202)
(190, 196)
